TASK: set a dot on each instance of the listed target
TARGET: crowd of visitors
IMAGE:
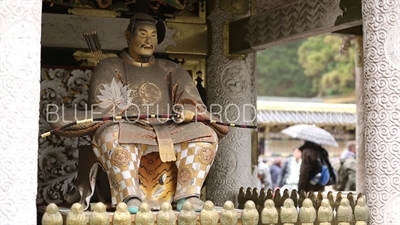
(309, 168)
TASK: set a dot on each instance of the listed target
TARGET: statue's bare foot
(197, 204)
(133, 205)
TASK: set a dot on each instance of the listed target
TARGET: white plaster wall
(20, 28)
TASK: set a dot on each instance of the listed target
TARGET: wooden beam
(301, 19)
(66, 31)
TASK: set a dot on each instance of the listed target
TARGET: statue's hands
(186, 116)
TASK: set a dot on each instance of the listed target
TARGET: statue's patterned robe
(153, 88)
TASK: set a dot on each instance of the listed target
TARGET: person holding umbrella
(316, 171)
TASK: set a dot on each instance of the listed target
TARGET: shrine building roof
(283, 113)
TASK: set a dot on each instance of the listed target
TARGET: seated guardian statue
(137, 83)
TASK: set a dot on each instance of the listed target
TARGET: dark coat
(275, 173)
(285, 172)
(310, 166)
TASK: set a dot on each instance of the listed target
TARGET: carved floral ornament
(392, 211)
(392, 47)
(58, 156)
(235, 80)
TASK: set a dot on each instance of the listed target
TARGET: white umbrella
(311, 133)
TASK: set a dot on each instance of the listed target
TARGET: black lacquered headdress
(143, 17)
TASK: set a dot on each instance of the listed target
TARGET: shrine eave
(299, 20)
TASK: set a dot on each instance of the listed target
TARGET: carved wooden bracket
(295, 21)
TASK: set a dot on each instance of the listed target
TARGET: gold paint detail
(206, 155)
(195, 65)
(94, 12)
(226, 45)
(185, 176)
(97, 93)
(114, 182)
(149, 93)
(120, 157)
(87, 57)
(253, 7)
(92, 40)
(236, 7)
(188, 18)
(359, 51)
(190, 39)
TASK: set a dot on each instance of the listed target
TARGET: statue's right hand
(185, 116)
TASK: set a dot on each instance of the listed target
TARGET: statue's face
(144, 40)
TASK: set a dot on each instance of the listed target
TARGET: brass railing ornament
(92, 40)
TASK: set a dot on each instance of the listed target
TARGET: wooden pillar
(231, 93)
(381, 27)
(20, 31)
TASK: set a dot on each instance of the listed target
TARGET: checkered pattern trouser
(122, 161)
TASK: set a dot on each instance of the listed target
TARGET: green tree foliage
(280, 74)
(332, 72)
(306, 68)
